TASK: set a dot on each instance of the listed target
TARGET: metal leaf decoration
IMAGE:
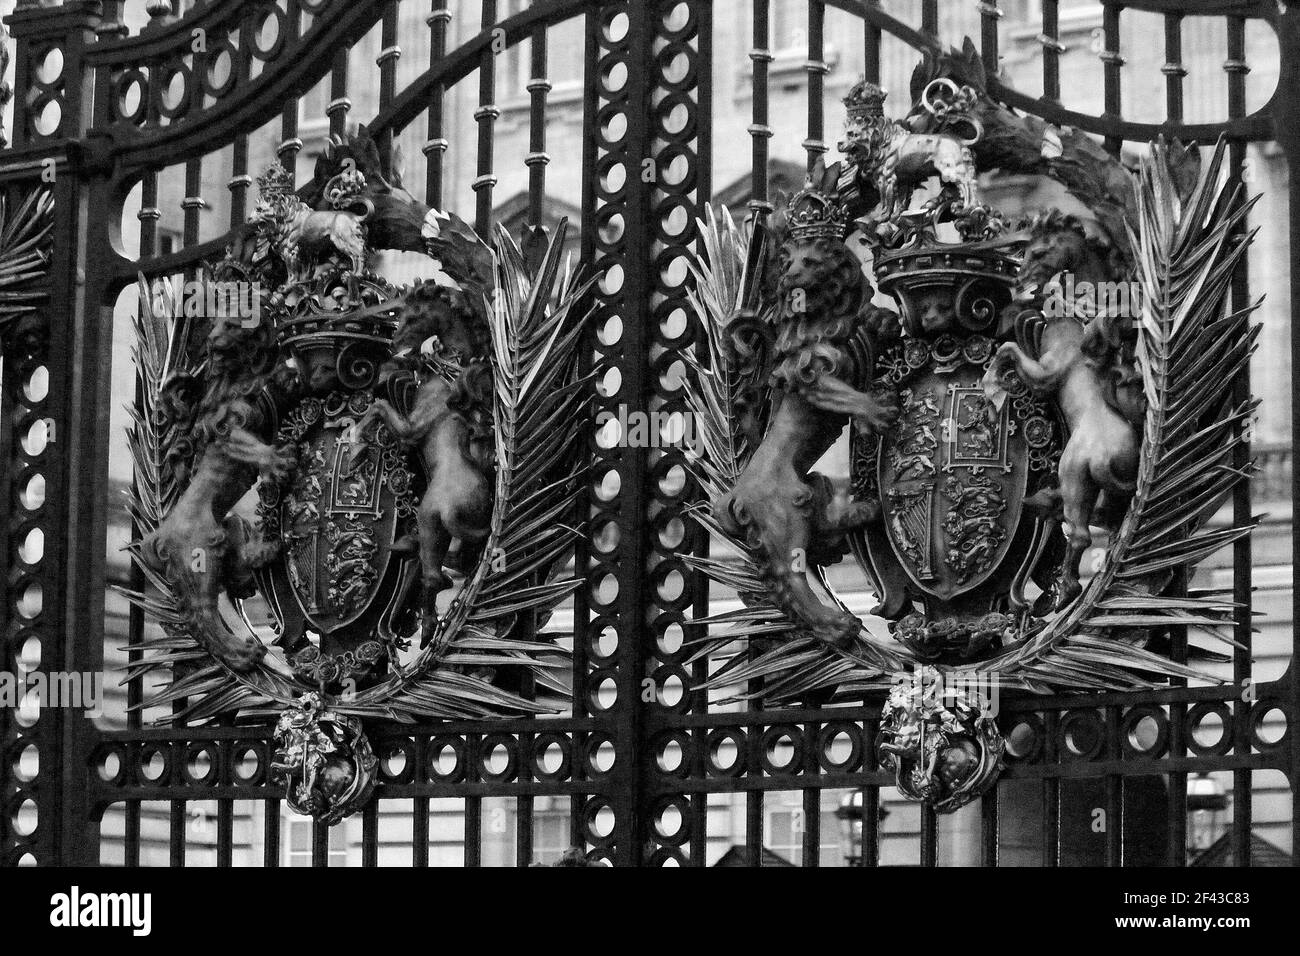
(24, 255)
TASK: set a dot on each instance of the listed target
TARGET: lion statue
(790, 515)
(218, 429)
(892, 160)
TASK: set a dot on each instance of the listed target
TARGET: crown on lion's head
(865, 100)
(275, 182)
(815, 211)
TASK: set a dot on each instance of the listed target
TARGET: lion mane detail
(240, 385)
(821, 292)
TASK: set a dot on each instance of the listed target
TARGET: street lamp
(851, 816)
(1206, 801)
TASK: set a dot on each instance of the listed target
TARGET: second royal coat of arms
(1013, 392)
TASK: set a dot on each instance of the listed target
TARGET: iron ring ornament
(339, 455)
(995, 425)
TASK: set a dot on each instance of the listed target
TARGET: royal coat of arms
(1000, 426)
(338, 458)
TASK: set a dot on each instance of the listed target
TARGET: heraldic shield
(953, 474)
(338, 520)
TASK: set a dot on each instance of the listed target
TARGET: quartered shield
(952, 476)
(338, 518)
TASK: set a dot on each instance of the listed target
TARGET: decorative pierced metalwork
(645, 746)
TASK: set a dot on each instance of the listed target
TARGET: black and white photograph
(530, 434)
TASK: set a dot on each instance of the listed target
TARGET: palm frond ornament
(25, 230)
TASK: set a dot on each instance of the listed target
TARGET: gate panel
(638, 751)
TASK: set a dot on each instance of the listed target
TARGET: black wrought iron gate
(100, 110)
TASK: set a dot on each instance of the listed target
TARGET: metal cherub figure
(376, 427)
(1030, 387)
(325, 760)
(942, 749)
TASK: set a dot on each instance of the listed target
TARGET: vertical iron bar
(290, 144)
(436, 145)
(239, 181)
(537, 159)
(870, 795)
(989, 828)
(389, 54)
(1114, 792)
(1288, 135)
(815, 143)
(760, 55)
(1050, 38)
(638, 151)
(370, 834)
(225, 833)
(148, 218)
(1242, 560)
(1051, 793)
(486, 116)
(271, 833)
(178, 817)
(699, 807)
(473, 805)
(420, 807)
(1173, 68)
(524, 804)
(582, 562)
(320, 844)
(1177, 802)
(192, 202)
(929, 836)
(990, 14)
(871, 50)
(1113, 62)
(754, 827)
(812, 827)
(339, 104)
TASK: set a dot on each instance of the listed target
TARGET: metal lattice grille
(134, 118)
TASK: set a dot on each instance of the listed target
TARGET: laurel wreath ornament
(1191, 349)
(541, 403)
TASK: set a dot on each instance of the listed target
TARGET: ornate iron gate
(99, 111)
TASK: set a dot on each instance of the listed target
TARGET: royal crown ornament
(815, 211)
